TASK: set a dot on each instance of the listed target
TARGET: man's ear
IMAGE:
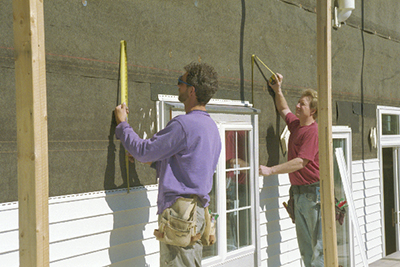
(192, 90)
(312, 111)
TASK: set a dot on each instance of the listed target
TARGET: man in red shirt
(303, 169)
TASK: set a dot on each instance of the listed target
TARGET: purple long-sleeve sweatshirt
(186, 152)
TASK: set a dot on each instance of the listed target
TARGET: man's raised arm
(280, 101)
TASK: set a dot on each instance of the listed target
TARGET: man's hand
(264, 170)
(278, 82)
(120, 113)
(130, 157)
(240, 162)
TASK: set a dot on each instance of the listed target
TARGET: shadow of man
(269, 195)
(126, 236)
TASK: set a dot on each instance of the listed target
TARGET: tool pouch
(177, 225)
(340, 213)
(290, 206)
(208, 238)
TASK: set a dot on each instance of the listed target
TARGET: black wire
(242, 24)
(362, 80)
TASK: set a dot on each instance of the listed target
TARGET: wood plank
(324, 65)
(30, 77)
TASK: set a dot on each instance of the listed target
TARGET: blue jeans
(307, 211)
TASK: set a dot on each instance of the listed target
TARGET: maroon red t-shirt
(303, 143)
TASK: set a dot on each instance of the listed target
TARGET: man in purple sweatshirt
(186, 152)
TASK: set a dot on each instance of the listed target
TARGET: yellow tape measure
(264, 64)
(124, 93)
(124, 73)
(271, 79)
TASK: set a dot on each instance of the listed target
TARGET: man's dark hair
(204, 79)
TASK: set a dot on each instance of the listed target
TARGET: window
(389, 154)
(341, 137)
(234, 195)
(390, 124)
(238, 207)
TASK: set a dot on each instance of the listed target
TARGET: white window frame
(221, 189)
(344, 132)
(383, 142)
(235, 115)
(387, 140)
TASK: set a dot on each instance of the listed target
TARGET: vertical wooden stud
(324, 65)
(31, 107)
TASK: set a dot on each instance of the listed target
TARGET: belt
(196, 198)
(304, 189)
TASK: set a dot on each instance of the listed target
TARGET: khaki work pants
(184, 256)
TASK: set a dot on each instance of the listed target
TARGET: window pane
(238, 230)
(232, 231)
(237, 169)
(342, 231)
(238, 192)
(231, 191)
(245, 228)
(390, 124)
(237, 149)
(244, 189)
(230, 149)
(243, 148)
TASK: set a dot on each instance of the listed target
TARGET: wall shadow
(269, 196)
(270, 205)
(125, 237)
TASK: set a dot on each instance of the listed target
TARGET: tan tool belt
(177, 225)
(208, 238)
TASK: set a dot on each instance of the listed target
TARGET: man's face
(303, 110)
(183, 89)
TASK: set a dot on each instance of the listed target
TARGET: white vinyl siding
(108, 228)
(367, 198)
(115, 228)
(277, 232)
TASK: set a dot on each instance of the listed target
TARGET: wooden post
(324, 64)
(30, 77)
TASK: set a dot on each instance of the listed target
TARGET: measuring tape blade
(265, 65)
(272, 79)
(124, 93)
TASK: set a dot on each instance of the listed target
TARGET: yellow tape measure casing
(124, 94)
(124, 73)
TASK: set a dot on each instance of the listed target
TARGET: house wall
(82, 61)
(92, 229)
(278, 239)
(104, 228)
(278, 235)
(367, 190)
(82, 53)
